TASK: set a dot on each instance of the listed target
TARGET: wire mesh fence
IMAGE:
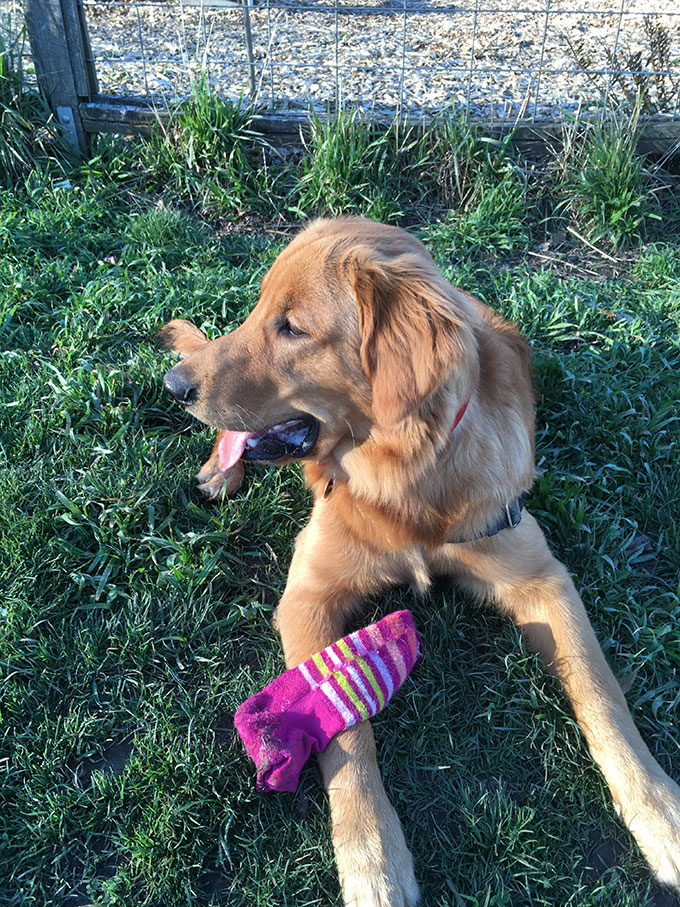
(503, 58)
(490, 59)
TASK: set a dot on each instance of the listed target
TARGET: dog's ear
(181, 337)
(412, 335)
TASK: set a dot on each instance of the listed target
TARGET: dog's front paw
(653, 818)
(374, 863)
(215, 484)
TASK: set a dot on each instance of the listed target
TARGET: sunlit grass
(135, 617)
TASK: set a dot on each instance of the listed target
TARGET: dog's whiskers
(249, 420)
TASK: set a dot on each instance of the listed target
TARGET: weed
(165, 234)
(351, 167)
(497, 222)
(28, 135)
(484, 187)
(644, 77)
(658, 265)
(462, 161)
(209, 156)
(603, 184)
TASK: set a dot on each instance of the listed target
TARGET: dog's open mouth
(295, 438)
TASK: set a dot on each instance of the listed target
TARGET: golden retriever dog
(410, 405)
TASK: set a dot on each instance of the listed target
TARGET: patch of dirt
(213, 887)
(600, 854)
(73, 869)
(224, 729)
(112, 761)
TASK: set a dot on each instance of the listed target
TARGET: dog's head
(355, 331)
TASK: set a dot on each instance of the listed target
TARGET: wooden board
(658, 135)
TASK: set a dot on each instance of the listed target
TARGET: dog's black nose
(181, 387)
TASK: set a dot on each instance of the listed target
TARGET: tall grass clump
(352, 167)
(460, 161)
(209, 156)
(28, 134)
(477, 178)
(605, 189)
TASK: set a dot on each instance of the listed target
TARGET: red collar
(459, 416)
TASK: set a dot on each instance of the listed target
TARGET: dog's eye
(290, 330)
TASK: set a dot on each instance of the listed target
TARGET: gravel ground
(296, 48)
(304, 52)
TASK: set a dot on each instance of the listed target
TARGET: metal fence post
(62, 58)
(249, 48)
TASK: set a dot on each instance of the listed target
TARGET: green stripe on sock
(365, 669)
(321, 665)
(351, 693)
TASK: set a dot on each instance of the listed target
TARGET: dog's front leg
(516, 570)
(373, 861)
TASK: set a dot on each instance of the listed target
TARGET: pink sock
(347, 682)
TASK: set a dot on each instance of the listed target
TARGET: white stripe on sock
(306, 673)
(398, 659)
(334, 657)
(358, 644)
(384, 673)
(333, 697)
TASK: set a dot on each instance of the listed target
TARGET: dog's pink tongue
(232, 446)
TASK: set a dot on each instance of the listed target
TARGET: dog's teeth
(279, 426)
(251, 442)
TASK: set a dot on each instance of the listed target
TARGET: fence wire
(499, 59)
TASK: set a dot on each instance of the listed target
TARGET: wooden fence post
(63, 62)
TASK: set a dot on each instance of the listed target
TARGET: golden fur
(383, 352)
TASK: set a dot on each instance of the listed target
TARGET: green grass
(207, 156)
(211, 160)
(135, 617)
(351, 167)
(496, 222)
(483, 187)
(608, 193)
